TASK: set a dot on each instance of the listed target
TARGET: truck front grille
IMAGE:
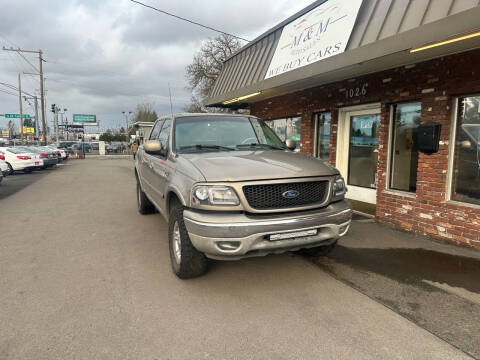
(272, 196)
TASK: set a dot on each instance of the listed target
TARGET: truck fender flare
(173, 190)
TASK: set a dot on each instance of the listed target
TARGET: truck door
(161, 168)
(145, 163)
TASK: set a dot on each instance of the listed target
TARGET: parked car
(18, 159)
(230, 189)
(48, 156)
(61, 153)
(3, 167)
(39, 160)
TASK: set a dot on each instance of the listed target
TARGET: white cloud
(106, 56)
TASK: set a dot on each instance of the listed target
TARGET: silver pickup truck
(230, 188)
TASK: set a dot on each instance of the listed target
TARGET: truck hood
(257, 165)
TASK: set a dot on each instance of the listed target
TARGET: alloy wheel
(177, 243)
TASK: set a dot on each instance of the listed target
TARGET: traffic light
(53, 108)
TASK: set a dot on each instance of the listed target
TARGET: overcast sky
(106, 56)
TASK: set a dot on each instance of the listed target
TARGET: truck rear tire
(144, 205)
(187, 262)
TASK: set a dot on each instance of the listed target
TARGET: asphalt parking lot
(19, 180)
(84, 276)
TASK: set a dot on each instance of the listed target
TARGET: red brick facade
(435, 83)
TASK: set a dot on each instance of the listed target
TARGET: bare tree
(145, 113)
(206, 66)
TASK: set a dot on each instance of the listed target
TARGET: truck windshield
(223, 133)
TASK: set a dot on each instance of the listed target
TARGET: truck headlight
(215, 195)
(339, 189)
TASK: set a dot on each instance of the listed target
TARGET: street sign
(16, 116)
(85, 119)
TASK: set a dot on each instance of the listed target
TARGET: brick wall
(435, 83)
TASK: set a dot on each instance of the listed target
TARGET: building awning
(384, 33)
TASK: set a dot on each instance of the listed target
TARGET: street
(85, 276)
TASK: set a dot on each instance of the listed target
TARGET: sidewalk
(435, 285)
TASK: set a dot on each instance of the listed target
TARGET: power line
(24, 58)
(13, 87)
(187, 20)
(8, 92)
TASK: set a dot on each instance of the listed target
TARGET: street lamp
(127, 114)
(64, 125)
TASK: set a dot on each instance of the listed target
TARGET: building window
(287, 128)
(363, 151)
(466, 162)
(404, 150)
(323, 134)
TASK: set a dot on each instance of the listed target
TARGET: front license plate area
(291, 235)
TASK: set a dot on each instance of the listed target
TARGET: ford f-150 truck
(230, 188)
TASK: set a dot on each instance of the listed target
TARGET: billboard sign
(83, 119)
(322, 32)
(28, 130)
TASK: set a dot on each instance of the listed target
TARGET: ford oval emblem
(290, 194)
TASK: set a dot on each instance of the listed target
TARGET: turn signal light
(2, 157)
(23, 157)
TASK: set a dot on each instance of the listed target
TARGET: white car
(18, 159)
(61, 152)
(3, 167)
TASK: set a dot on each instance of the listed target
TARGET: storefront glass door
(357, 155)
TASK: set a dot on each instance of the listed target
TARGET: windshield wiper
(206, 147)
(260, 145)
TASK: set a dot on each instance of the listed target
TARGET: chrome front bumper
(231, 236)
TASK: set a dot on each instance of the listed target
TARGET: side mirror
(290, 144)
(153, 147)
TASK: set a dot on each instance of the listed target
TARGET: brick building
(366, 85)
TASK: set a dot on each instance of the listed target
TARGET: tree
(145, 113)
(206, 66)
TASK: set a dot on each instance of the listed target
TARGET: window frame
(299, 116)
(390, 148)
(316, 133)
(166, 146)
(158, 123)
(451, 151)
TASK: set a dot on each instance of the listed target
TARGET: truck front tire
(187, 262)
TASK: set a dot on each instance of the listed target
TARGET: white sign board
(317, 35)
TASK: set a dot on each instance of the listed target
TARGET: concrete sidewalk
(435, 285)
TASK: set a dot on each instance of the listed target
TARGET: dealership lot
(88, 277)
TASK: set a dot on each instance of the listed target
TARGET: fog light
(228, 245)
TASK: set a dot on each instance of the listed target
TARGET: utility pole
(42, 94)
(20, 104)
(127, 114)
(35, 98)
(42, 99)
(55, 110)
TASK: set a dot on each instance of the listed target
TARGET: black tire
(191, 263)
(144, 205)
(319, 250)
(10, 169)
